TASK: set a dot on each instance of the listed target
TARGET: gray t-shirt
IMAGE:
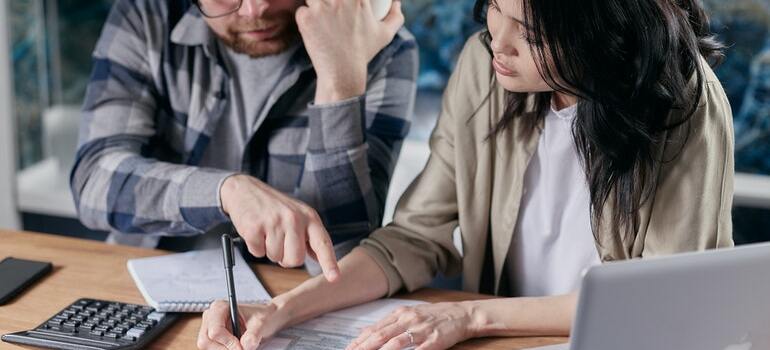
(252, 81)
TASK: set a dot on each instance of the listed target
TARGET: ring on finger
(411, 336)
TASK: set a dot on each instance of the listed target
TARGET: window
(51, 44)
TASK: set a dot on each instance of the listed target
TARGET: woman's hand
(432, 326)
(258, 322)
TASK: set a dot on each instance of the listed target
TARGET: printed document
(335, 330)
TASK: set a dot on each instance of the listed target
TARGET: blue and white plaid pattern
(156, 94)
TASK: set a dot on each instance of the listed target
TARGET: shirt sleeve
(419, 243)
(692, 207)
(354, 144)
(116, 186)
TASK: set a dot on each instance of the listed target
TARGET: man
(231, 110)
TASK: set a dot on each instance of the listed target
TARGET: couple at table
(568, 136)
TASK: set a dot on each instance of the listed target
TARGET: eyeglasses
(218, 8)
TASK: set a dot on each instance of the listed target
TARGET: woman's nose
(503, 40)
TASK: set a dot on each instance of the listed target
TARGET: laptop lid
(695, 301)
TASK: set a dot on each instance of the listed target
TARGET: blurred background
(48, 60)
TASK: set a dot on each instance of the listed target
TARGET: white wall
(9, 217)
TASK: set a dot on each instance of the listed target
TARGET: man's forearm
(361, 280)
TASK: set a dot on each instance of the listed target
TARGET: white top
(553, 241)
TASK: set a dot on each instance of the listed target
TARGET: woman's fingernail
(249, 342)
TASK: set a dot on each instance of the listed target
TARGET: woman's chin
(517, 84)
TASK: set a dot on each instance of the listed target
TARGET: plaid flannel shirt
(157, 92)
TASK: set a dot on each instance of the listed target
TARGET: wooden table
(93, 269)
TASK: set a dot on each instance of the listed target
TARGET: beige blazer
(476, 184)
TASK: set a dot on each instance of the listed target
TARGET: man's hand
(258, 322)
(341, 37)
(274, 224)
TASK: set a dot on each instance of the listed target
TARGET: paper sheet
(335, 330)
(188, 282)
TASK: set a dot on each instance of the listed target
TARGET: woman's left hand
(432, 326)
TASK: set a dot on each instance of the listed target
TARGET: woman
(572, 133)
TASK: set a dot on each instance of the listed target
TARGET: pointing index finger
(322, 247)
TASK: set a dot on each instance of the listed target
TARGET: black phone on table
(18, 274)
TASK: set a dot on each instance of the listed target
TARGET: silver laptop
(715, 300)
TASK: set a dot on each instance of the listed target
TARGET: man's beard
(287, 35)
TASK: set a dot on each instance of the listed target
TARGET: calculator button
(134, 332)
(112, 335)
(55, 322)
(55, 328)
(156, 316)
(97, 332)
(71, 324)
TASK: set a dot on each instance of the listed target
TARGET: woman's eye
(529, 37)
(493, 5)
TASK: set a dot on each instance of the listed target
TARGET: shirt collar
(192, 30)
(567, 113)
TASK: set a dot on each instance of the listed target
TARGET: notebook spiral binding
(200, 306)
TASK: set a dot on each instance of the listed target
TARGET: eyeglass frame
(198, 4)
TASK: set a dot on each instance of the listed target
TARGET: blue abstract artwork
(745, 74)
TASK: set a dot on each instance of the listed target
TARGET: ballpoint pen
(229, 260)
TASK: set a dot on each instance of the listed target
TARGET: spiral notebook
(189, 282)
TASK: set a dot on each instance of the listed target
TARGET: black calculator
(97, 324)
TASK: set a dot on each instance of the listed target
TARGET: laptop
(714, 300)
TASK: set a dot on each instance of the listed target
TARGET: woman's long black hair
(631, 63)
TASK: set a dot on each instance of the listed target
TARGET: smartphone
(18, 274)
